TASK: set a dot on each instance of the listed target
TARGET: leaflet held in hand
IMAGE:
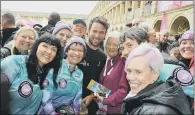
(98, 88)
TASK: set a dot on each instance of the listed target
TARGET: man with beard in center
(94, 61)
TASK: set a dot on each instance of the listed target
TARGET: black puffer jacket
(174, 61)
(54, 17)
(7, 32)
(48, 28)
(5, 97)
(158, 99)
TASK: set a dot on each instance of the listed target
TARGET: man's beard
(91, 42)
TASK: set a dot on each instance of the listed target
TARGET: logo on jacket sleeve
(25, 89)
(62, 83)
(45, 83)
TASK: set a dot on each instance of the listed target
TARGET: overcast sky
(68, 7)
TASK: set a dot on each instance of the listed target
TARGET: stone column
(154, 7)
(118, 13)
(98, 10)
(114, 10)
(142, 6)
(122, 12)
(134, 6)
(109, 15)
(112, 16)
(126, 10)
(100, 6)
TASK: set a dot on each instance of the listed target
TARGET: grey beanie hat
(60, 25)
(75, 39)
(188, 35)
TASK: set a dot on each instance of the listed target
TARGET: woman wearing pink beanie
(186, 49)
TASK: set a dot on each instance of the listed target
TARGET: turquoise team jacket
(167, 71)
(68, 91)
(25, 95)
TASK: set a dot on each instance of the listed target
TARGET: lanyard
(110, 70)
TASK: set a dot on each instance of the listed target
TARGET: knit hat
(80, 21)
(75, 39)
(60, 25)
(188, 35)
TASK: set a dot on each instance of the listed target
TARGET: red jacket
(116, 81)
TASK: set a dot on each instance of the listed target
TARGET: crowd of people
(46, 69)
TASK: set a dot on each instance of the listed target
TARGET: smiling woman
(155, 97)
(46, 53)
(186, 46)
(21, 43)
(68, 94)
(112, 73)
(27, 73)
(186, 49)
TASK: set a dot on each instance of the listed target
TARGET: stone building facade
(42, 18)
(119, 13)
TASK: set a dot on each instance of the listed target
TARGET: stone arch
(179, 24)
(157, 25)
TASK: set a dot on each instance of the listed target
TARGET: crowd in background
(45, 69)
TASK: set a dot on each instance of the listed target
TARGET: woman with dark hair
(132, 38)
(27, 73)
(150, 31)
(66, 97)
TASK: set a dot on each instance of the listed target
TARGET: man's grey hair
(165, 32)
(10, 18)
(151, 53)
